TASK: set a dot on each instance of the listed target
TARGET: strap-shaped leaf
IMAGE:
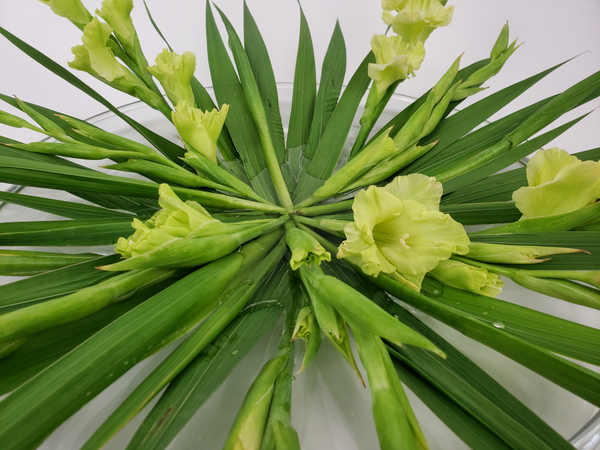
(305, 91)
(482, 213)
(552, 333)
(262, 69)
(54, 283)
(62, 208)
(63, 388)
(82, 232)
(330, 86)
(239, 120)
(579, 380)
(194, 386)
(44, 348)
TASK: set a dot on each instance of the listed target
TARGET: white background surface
(552, 31)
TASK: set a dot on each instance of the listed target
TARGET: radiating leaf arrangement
(243, 223)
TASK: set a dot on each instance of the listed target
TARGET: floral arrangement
(240, 224)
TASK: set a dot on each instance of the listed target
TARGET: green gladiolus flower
(395, 59)
(95, 58)
(305, 249)
(200, 129)
(469, 278)
(175, 72)
(399, 230)
(415, 20)
(72, 10)
(558, 183)
(176, 220)
(117, 13)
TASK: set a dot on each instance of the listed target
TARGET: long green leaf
(460, 386)
(256, 267)
(24, 262)
(262, 69)
(303, 98)
(239, 120)
(62, 208)
(574, 378)
(44, 348)
(65, 232)
(190, 390)
(482, 213)
(330, 86)
(58, 392)
(54, 283)
(552, 333)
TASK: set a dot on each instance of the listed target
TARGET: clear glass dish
(331, 410)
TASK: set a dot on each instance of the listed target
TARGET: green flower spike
(395, 59)
(399, 230)
(117, 13)
(558, 183)
(72, 10)
(175, 72)
(97, 59)
(468, 278)
(415, 20)
(199, 129)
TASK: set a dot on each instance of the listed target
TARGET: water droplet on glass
(499, 325)
(293, 377)
(485, 313)
(235, 352)
(493, 307)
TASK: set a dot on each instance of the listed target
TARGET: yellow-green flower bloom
(117, 13)
(72, 10)
(200, 129)
(395, 59)
(415, 20)
(176, 220)
(305, 249)
(558, 183)
(97, 59)
(469, 278)
(399, 230)
(175, 72)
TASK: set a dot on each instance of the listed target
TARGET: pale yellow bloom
(175, 72)
(200, 129)
(399, 230)
(72, 10)
(395, 59)
(176, 220)
(117, 13)
(558, 183)
(415, 20)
